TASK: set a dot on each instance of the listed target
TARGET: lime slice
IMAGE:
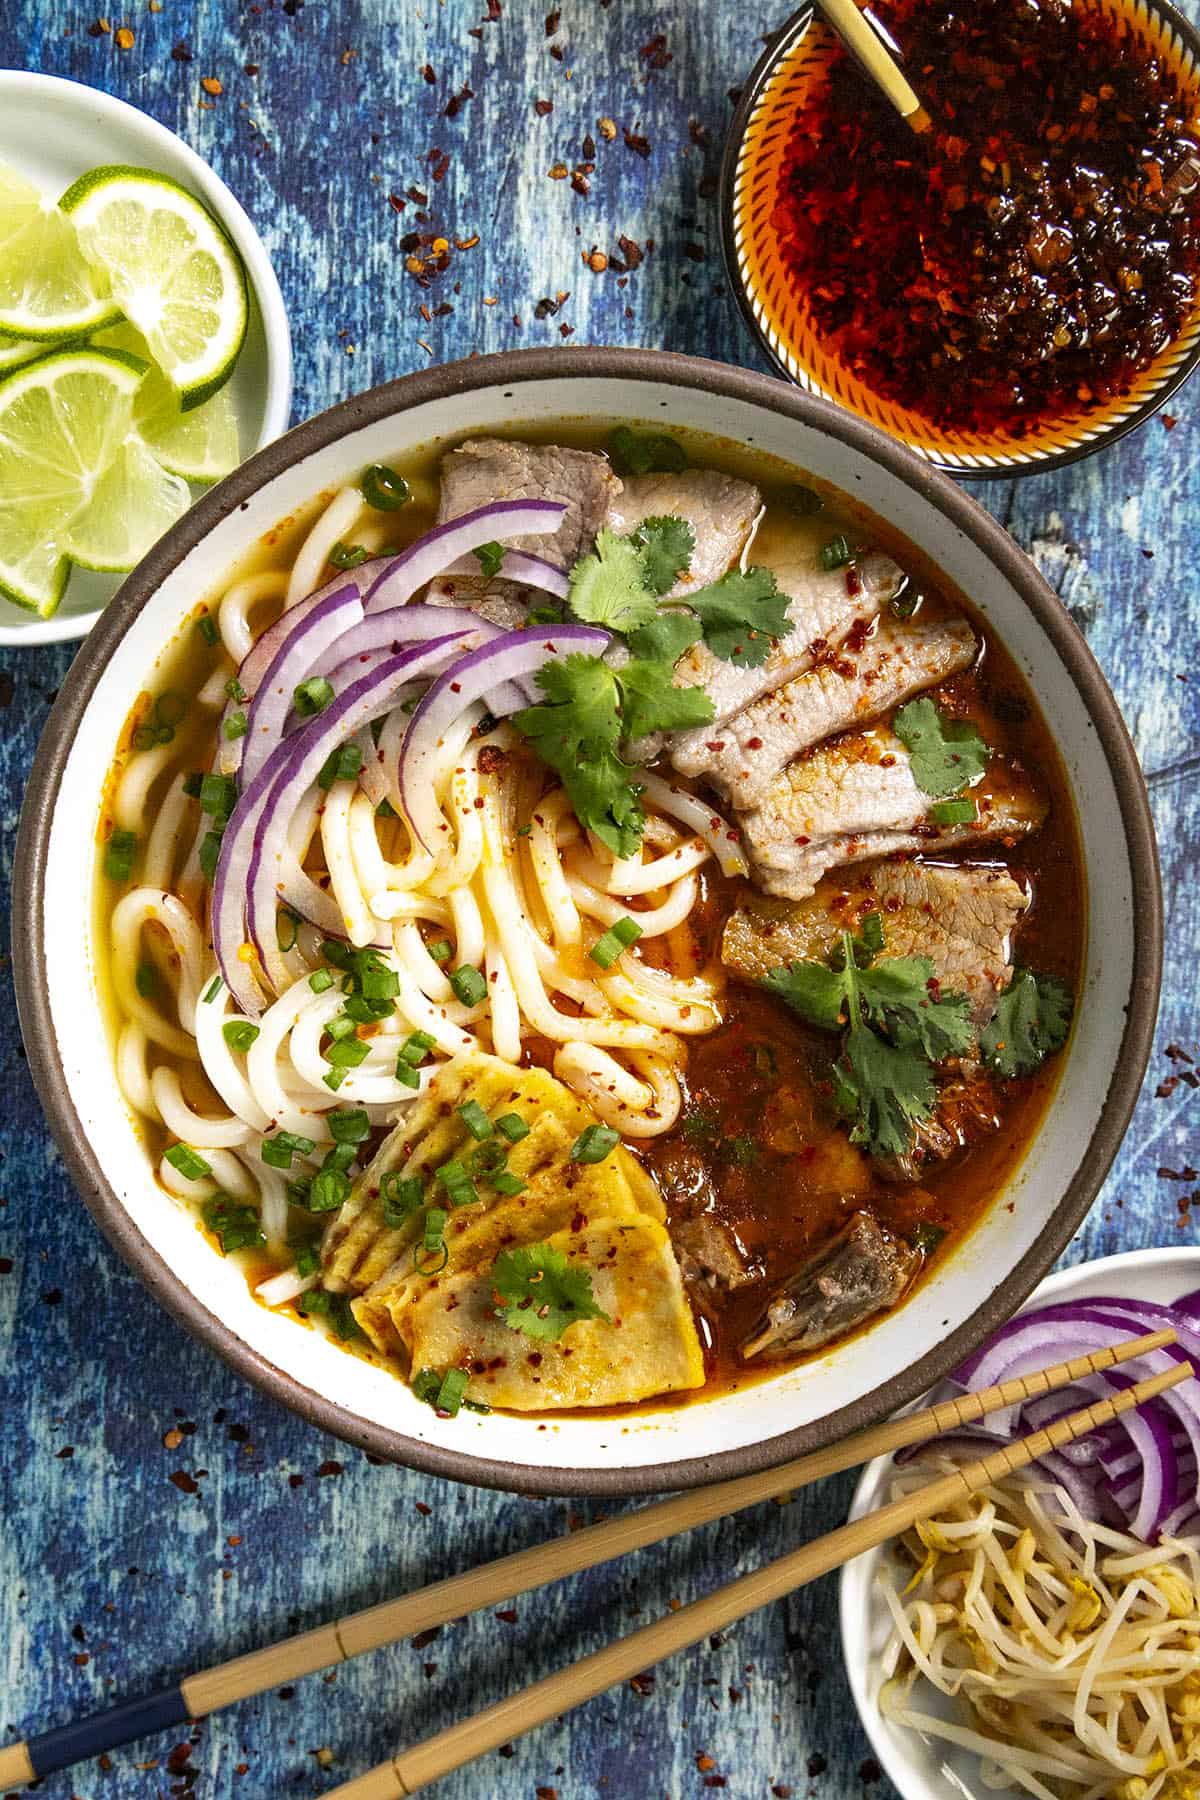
(47, 290)
(201, 445)
(65, 422)
(14, 351)
(132, 504)
(172, 270)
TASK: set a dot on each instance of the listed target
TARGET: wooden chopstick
(210, 1689)
(860, 36)
(414, 1769)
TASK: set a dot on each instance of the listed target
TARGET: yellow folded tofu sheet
(606, 1218)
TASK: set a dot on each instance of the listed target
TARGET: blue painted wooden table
(159, 1515)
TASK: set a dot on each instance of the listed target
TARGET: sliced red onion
(297, 762)
(302, 648)
(400, 626)
(517, 566)
(237, 863)
(433, 553)
(722, 838)
(488, 671)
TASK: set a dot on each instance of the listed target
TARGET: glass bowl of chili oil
(1018, 286)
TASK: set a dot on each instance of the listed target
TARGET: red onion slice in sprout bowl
(482, 675)
(261, 817)
(517, 566)
(432, 554)
(319, 630)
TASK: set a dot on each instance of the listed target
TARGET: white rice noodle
(133, 1077)
(238, 602)
(645, 993)
(633, 876)
(358, 923)
(224, 1067)
(166, 835)
(654, 921)
(636, 1108)
(135, 910)
(338, 519)
(131, 801)
(212, 696)
(289, 1284)
(191, 1127)
(544, 854)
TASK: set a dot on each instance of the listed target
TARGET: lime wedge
(65, 426)
(17, 350)
(201, 445)
(47, 290)
(172, 271)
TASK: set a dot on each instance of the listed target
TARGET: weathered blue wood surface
(111, 1578)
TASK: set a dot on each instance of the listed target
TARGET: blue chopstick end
(107, 1730)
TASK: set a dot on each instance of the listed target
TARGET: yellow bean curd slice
(647, 1346)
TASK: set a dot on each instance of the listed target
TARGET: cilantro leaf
(1032, 1019)
(946, 755)
(666, 545)
(490, 557)
(653, 703)
(811, 989)
(885, 1089)
(607, 587)
(896, 994)
(577, 732)
(741, 615)
(645, 452)
(541, 1293)
(667, 637)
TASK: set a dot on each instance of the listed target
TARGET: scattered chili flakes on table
(1031, 253)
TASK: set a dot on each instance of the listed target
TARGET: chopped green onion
(406, 1075)
(234, 689)
(210, 850)
(146, 980)
(334, 1079)
(235, 1227)
(415, 1048)
(925, 1236)
(330, 1189)
(348, 556)
(119, 854)
(475, 1120)
(218, 796)
(350, 1126)
(340, 1156)
(342, 765)
(377, 982)
(402, 1195)
(954, 812)
(441, 951)
(347, 1053)
(239, 1034)
(435, 1228)
(340, 955)
(363, 1012)
(188, 1164)
(457, 1183)
(385, 810)
(235, 725)
(284, 938)
(425, 1385)
(491, 557)
(544, 615)
(488, 1159)
(617, 938)
(212, 990)
(505, 1182)
(192, 784)
(277, 1152)
(512, 1126)
(341, 1026)
(206, 625)
(904, 604)
(312, 696)
(450, 1394)
(468, 984)
(308, 1261)
(320, 981)
(384, 488)
(836, 553)
(803, 501)
(594, 1143)
(645, 452)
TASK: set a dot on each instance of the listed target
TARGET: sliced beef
(965, 1113)
(862, 1272)
(962, 916)
(855, 799)
(488, 469)
(865, 678)
(711, 1261)
(720, 509)
(824, 606)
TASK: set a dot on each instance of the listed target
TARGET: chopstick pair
(209, 1690)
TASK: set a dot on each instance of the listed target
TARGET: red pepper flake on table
(1029, 255)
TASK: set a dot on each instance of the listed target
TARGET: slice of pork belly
(720, 509)
(855, 798)
(487, 469)
(824, 605)
(962, 916)
(866, 677)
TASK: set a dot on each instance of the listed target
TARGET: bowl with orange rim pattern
(778, 305)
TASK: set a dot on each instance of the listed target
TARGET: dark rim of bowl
(512, 368)
(780, 44)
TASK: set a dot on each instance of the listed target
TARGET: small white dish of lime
(52, 132)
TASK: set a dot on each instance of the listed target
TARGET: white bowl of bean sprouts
(386, 931)
(1090, 1686)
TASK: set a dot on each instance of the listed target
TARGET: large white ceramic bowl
(921, 1767)
(978, 1287)
(53, 131)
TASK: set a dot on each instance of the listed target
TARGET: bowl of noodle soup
(261, 920)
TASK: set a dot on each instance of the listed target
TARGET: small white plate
(53, 131)
(921, 1768)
